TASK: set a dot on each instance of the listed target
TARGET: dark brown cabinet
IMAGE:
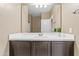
(19, 48)
(62, 48)
(41, 48)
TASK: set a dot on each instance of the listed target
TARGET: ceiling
(37, 11)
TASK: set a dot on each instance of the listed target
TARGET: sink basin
(42, 36)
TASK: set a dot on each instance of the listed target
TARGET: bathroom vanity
(41, 44)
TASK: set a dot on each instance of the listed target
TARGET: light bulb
(36, 6)
(45, 6)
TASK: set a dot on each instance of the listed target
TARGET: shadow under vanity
(40, 47)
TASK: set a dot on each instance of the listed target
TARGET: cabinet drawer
(63, 48)
(40, 48)
(19, 48)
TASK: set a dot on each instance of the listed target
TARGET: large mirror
(42, 17)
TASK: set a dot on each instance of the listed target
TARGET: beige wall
(36, 24)
(56, 15)
(45, 15)
(70, 20)
(9, 23)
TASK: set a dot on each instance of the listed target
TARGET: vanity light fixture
(45, 6)
(40, 5)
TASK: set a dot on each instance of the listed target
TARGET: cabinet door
(40, 48)
(62, 48)
(19, 48)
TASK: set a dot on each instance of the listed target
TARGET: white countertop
(41, 37)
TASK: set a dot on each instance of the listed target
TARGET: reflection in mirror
(43, 17)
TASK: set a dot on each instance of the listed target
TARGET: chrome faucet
(40, 34)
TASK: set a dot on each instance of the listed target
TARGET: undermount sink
(42, 36)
